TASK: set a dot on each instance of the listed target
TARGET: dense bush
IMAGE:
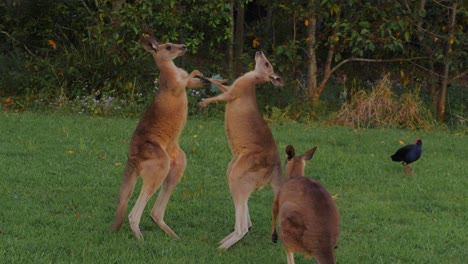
(381, 108)
(84, 55)
(90, 48)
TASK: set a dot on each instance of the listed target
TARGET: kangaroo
(308, 217)
(154, 152)
(255, 159)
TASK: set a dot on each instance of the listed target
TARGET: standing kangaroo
(308, 217)
(154, 152)
(255, 160)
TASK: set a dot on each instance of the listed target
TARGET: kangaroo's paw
(231, 239)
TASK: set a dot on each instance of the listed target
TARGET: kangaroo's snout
(259, 55)
(183, 47)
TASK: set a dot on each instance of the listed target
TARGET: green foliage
(372, 26)
(25, 28)
(59, 206)
(97, 52)
(70, 50)
(457, 106)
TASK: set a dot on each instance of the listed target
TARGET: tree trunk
(327, 71)
(328, 63)
(422, 7)
(314, 95)
(446, 77)
(239, 38)
(315, 90)
(230, 55)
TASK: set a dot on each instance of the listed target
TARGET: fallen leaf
(335, 197)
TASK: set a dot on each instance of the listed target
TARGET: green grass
(60, 176)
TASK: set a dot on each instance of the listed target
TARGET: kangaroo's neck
(166, 66)
(295, 169)
(251, 78)
(245, 86)
(170, 78)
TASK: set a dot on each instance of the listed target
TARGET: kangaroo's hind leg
(177, 167)
(242, 220)
(153, 172)
(241, 187)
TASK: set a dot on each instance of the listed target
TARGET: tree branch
(375, 60)
(427, 70)
(459, 75)
(15, 40)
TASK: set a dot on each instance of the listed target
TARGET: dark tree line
(67, 48)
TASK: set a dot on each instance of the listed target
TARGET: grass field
(60, 177)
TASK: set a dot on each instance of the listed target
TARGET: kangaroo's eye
(267, 64)
(168, 47)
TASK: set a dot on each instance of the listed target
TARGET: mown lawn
(60, 176)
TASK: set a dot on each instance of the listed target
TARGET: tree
(422, 37)
(441, 35)
(330, 38)
(237, 37)
(366, 32)
(43, 47)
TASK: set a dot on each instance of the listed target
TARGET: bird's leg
(408, 169)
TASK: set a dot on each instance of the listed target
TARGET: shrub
(381, 108)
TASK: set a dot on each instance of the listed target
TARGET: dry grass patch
(381, 108)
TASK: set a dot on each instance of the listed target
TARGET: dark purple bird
(408, 154)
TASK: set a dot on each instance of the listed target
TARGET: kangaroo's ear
(150, 44)
(276, 80)
(309, 154)
(290, 152)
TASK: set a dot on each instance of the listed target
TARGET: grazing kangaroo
(255, 160)
(154, 152)
(308, 217)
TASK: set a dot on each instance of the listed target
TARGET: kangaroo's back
(308, 208)
(308, 216)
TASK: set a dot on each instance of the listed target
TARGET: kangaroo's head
(264, 70)
(295, 165)
(163, 52)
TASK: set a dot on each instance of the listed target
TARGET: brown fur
(308, 217)
(255, 159)
(154, 152)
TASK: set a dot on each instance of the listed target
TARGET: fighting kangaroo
(255, 160)
(154, 153)
(308, 217)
